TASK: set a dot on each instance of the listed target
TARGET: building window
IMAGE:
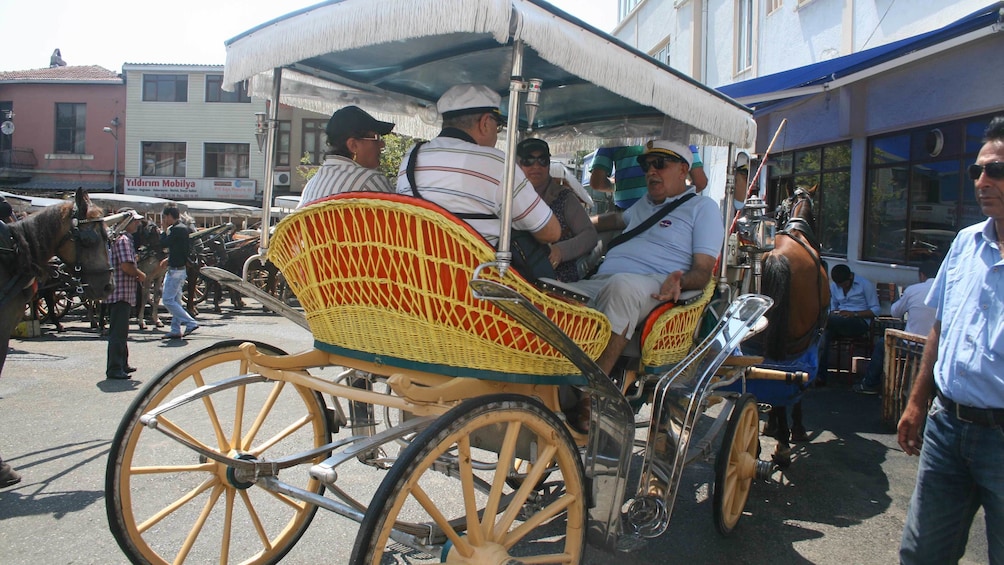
(227, 160)
(215, 92)
(828, 168)
(744, 35)
(775, 5)
(71, 121)
(315, 141)
(661, 53)
(165, 88)
(163, 159)
(282, 145)
(917, 195)
(624, 8)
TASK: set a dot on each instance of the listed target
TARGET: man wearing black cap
(461, 170)
(352, 162)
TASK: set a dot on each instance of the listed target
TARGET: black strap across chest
(650, 221)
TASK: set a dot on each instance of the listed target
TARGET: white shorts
(625, 298)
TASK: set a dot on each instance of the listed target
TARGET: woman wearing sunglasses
(578, 235)
(353, 159)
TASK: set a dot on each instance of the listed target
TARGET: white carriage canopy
(394, 58)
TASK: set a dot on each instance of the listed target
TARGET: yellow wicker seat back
(668, 333)
(384, 278)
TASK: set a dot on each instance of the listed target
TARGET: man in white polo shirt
(461, 170)
(675, 254)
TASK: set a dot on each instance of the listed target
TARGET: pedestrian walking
(962, 454)
(175, 239)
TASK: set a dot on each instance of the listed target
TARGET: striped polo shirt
(466, 178)
(337, 175)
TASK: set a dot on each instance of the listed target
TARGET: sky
(109, 33)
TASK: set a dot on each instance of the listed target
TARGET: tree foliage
(390, 159)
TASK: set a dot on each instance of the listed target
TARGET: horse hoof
(798, 434)
(782, 456)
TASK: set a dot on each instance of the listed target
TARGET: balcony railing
(18, 158)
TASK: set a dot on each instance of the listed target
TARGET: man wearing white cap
(122, 299)
(677, 252)
(461, 170)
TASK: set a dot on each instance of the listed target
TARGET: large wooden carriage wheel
(441, 474)
(168, 504)
(735, 466)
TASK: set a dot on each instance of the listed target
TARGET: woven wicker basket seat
(668, 333)
(384, 278)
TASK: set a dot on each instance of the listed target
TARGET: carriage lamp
(755, 227)
(260, 129)
(533, 87)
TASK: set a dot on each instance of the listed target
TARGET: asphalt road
(843, 500)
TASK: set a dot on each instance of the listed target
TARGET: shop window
(164, 159)
(917, 196)
(227, 160)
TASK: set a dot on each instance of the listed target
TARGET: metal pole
(503, 255)
(115, 171)
(266, 204)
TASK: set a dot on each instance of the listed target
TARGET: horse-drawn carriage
(429, 406)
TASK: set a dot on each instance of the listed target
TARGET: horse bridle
(800, 225)
(83, 239)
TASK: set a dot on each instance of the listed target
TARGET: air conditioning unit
(281, 178)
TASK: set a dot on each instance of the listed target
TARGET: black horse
(73, 231)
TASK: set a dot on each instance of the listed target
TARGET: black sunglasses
(993, 170)
(658, 162)
(543, 161)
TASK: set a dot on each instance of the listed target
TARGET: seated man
(674, 254)
(461, 170)
(853, 303)
(919, 320)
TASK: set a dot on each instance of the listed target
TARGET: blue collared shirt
(969, 296)
(861, 296)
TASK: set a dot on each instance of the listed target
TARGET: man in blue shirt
(962, 459)
(853, 303)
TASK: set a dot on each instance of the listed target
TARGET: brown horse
(794, 276)
(73, 231)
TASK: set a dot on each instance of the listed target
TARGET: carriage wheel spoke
(550, 511)
(529, 484)
(263, 413)
(153, 470)
(459, 542)
(505, 461)
(256, 519)
(156, 518)
(467, 491)
(193, 534)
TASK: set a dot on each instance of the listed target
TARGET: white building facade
(883, 106)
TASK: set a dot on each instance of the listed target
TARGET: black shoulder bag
(649, 222)
(530, 258)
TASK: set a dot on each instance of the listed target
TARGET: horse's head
(84, 246)
(797, 207)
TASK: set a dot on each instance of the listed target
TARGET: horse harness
(83, 238)
(800, 225)
(9, 251)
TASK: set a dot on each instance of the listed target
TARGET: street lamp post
(115, 172)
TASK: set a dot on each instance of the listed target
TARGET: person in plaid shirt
(122, 299)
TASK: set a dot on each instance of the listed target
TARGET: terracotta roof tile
(62, 74)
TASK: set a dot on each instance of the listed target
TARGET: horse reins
(83, 239)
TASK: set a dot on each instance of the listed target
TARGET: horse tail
(777, 285)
